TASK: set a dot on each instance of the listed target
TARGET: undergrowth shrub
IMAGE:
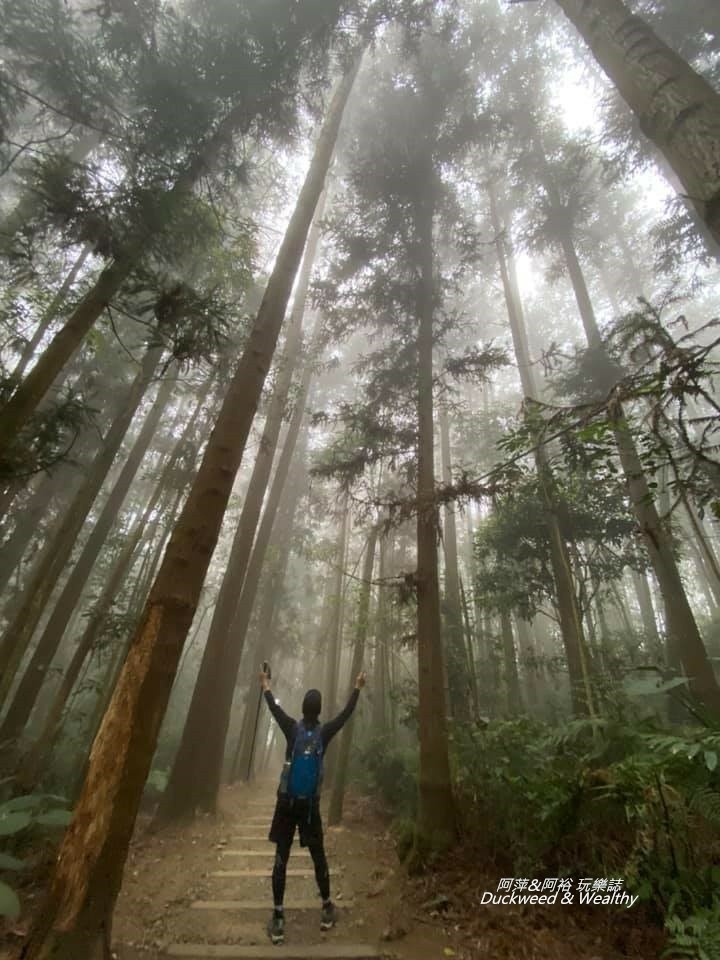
(391, 774)
(601, 798)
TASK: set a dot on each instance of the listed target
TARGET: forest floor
(179, 901)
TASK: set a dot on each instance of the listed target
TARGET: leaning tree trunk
(191, 784)
(36, 671)
(274, 573)
(677, 109)
(337, 795)
(76, 918)
(436, 824)
(19, 633)
(569, 612)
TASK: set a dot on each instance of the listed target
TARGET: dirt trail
(204, 891)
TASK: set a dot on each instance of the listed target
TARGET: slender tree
(337, 796)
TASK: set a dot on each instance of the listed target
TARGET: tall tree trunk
(333, 635)
(274, 574)
(382, 638)
(19, 633)
(512, 679)
(335, 810)
(27, 691)
(335, 623)
(191, 782)
(436, 812)
(458, 665)
(528, 658)
(706, 551)
(76, 918)
(647, 611)
(569, 611)
(677, 109)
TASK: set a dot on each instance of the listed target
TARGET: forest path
(203, 890)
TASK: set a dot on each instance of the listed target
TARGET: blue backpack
(306, 767)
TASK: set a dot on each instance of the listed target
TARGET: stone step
(316, 951)
(237, 905)
(269, 852)
(264, 873)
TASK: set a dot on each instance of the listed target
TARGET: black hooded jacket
(327, 730)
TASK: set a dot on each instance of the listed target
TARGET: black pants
(305, 816)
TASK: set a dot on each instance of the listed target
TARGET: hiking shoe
(328, 917)
(276, 928)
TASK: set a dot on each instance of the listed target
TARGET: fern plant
(696, 937)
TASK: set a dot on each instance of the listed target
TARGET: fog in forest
(360, 344)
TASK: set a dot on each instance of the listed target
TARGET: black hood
(312, 704)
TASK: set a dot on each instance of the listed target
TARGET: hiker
(298, 797)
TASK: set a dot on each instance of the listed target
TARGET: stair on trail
(232, 908)
(297, 951)
(291, 906)
(268, 853)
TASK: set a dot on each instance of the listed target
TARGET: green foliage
(696, 936)
(49, 436)
(21, 817)
(512, 546)
(602, 797)
(392, 773)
